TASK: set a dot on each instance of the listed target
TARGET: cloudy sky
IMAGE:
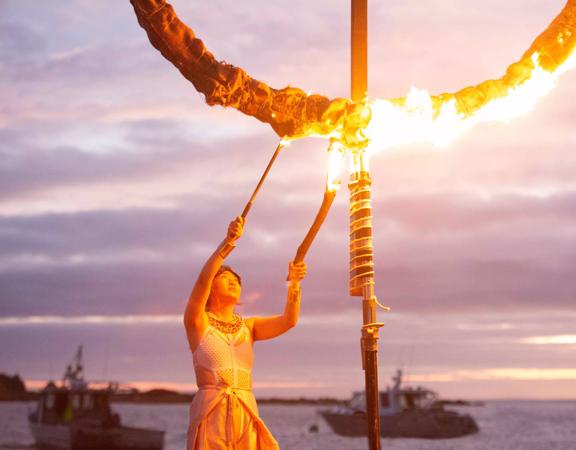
(117, 181)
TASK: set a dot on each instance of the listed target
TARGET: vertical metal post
(361, 249)
(359, 56)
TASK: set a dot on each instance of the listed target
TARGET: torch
(227, 249)
(280, 146)
(335, 155)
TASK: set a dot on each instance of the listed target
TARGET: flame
(440, 119)
(335, 159)
(421, 119)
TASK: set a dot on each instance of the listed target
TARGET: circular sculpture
(294, 114)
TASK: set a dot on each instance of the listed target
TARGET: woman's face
(226, 287)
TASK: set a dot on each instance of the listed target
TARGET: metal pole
(359, 56)
(361, 250)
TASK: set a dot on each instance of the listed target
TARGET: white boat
(404, 412)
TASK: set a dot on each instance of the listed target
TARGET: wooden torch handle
(329, 196)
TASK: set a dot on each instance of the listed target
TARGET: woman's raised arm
(195, 319)
(270, 327)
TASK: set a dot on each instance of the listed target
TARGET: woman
(223, 414)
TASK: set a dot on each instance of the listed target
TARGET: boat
(77, 416)
(404, 412)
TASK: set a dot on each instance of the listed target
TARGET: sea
(504, 425)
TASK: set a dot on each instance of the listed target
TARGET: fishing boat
(76, 416)
(404, 412)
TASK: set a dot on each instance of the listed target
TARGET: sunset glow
(498, 373)
(92, 320)
(564, 339)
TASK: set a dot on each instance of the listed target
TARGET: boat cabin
(392, 401)
(75, 416)
(62, 406)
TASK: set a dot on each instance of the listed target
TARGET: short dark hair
(223, 269)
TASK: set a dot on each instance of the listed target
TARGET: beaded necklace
(223, 326)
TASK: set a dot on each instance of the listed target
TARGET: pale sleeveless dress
(223, 413)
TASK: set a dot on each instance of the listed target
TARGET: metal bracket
(384, 307)
(369, 339)
(372, 327)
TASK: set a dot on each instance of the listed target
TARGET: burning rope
(439, 119)
(553, 48)
(294, 114)
(290, 111)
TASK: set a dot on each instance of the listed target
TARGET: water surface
(504, 425)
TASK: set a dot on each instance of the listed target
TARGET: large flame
(422, 118)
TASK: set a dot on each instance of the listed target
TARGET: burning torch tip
(333, 187)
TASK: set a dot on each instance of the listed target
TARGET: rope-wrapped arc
(291, 112)
(554, 46)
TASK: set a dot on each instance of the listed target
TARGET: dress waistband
(224, 387)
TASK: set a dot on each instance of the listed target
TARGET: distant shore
(168, 396)
(13, 389)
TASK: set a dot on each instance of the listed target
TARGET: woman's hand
(296, 271)
(235, 229)
(272, 326)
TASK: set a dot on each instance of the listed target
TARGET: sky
(117, 181)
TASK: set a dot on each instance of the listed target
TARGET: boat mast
(74, 375)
